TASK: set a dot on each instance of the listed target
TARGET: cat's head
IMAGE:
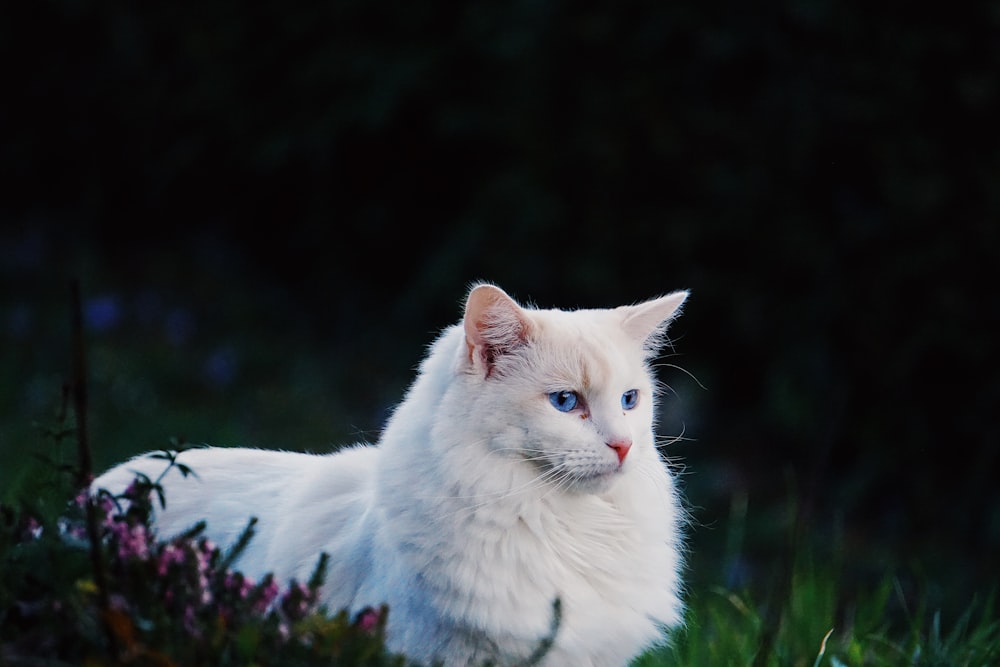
(572, 392)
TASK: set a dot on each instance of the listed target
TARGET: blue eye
(563, 401)
(630, 398)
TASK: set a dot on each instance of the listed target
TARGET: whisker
(661, 388)
(563, 481)
(666, 441)
(683, 370)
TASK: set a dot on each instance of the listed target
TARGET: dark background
(272, 208)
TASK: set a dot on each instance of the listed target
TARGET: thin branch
(85, 472)
(79, 390)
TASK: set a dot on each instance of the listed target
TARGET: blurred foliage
(280, 205)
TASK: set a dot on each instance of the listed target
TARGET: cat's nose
(621, 447)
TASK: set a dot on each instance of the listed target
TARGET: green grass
(817, 626)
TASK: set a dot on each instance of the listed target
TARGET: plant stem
(85, 464)
(85, 471)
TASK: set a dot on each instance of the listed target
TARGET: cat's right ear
(647, 322)
(494, 325)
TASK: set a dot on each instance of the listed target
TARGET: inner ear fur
(494, 324)
(647, 322)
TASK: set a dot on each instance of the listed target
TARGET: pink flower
(32, 529)
(171, 555)
(190, 622)
(203, 553)
(368, 620)
(240, 584)
(71, 529)
(107, 505)
(297, 601)
(268, 593)
(133, 541)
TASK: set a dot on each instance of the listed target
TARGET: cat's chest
(508, 574)
(550, 550)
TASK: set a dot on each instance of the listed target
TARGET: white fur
(482, 503)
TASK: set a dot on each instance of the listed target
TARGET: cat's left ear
(494, 325)
(647, 322)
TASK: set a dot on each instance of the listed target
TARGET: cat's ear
(647, 322)
(494, 325)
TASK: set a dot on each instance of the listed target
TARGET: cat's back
(227, 486)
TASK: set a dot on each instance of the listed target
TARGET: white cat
(520, 468)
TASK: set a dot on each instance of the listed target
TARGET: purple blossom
(297, 601)
(268, 591)
(238, 584)
(170, 555)
(32, 529)
(184, 573)
(74, 530)
(190, 622)
(106, 504)
(133, 540)
(368, 620)
(203, 558)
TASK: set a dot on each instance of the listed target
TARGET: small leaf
(241, 543)
(194, 531)
(185, 470)
(160, 496)
(319, 573)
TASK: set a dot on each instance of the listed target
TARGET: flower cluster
(177, 601)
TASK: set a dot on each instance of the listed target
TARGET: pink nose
(621, 448)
